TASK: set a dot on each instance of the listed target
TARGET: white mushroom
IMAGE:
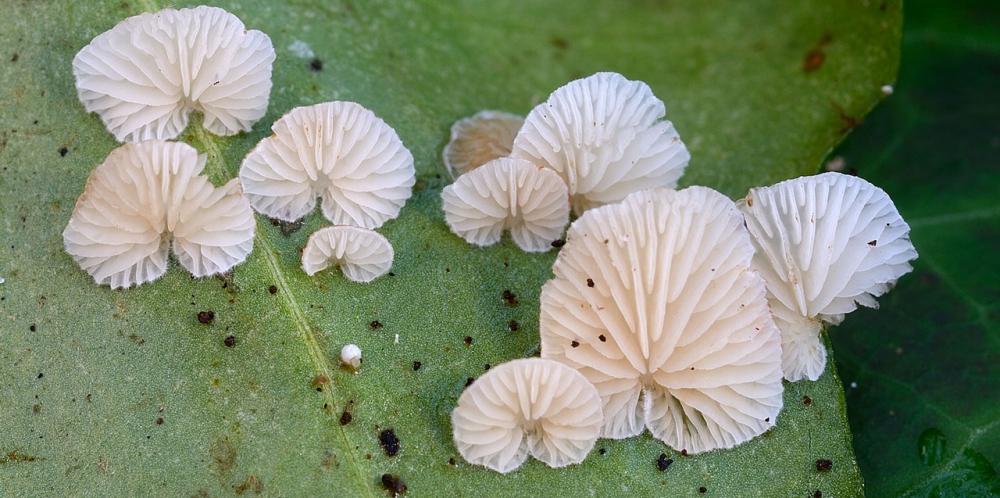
(350, 355)
(478, 139)
(508, 194)
(825, 244)
(362, 254)
(655, 303)
(146, 75)
(146, 198)
(338, 151)
(527, 407)
(606, 138)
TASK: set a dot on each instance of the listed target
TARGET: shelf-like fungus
(527, 407)
(147, 198)
(362, 254)
(337, 151)
(655, 303)
(146, 75)
(825, 244)
(508, 194)
(479, 139)
(606, 138)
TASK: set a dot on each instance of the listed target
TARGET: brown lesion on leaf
(223, 455)
(16, 456)
(252, 483)
(816, 56)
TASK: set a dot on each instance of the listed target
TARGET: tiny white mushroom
(825, 244)
(606, 137)
(362, 254)
(508, 194)
(146, 75)
(337, 151)
(527, 407)
(350, 355)
(146, 198)
(479, 139)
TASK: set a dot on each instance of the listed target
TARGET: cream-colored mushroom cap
(146, 198)
(527, 407)
(508, 194)
(146, 75)
(606, 137)
(362, 254)
(337, 151)
(479, 139)
(825, 244)
(655, 303)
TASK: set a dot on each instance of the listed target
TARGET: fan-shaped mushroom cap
(338, 151)
(527, 407)
(144, 76)
(825, 244)
(605, 137)
(147, 196)
(654, 302)
(479, 139)
(510, 194)
(362, 254)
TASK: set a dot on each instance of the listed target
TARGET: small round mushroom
(337, 151)
(606, 138)
(479, 139)
(527, 407)
(146, 75)
(362, 254)
(655, 303)
(350, 355)
(508, 194)
(825, 244)
(146, 198)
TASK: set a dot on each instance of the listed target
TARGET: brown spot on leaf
(824, 465)
(393, 484)
(251, 483)
(390, 443)
(206, 317)
(509, 298)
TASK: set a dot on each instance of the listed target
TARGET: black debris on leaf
(389, 442)
(229, 341)
(316, 65)
(509, 298)
(703, 490)
(346, 417)
(806, 400)
(417, 365)
(558, 243)
(468, 340)
(663, 463)
(824, 465)
(375, 325)
(393, 484)
(63, 151)
(469, 381)
(273, 289)
(513, 326)
(206, 317)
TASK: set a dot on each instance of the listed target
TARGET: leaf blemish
(389, 442)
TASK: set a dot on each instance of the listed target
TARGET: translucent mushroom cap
(146, 198)
(479, 139)
(606, 137)
(362, 254)
(146, 75)
(337, 151)
(654, 302)
(825, 244)
(527, 407)
(508, 194)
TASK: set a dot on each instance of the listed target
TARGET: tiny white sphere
(887, 89)
(351, 355)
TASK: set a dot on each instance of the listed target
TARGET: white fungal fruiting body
(479, 139)
(146, 75)
(146, 198)
(508, 194)
(654, 302)
(606, 138)
(337, 151)
(362, 254)
(350, 355)
(825, 244)
(527, 407)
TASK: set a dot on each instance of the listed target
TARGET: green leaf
(126, 393)
(927, 365)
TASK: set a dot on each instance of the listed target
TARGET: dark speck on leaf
(558, 243)
(273, 289)
(560, 43)
(663, 463)
(509, 298)
(818, 494)
(590, 282)
(684, 452)
(389, 442)
(316, 65)
(703, 490)
(393, 484)
(159, 420)
(229, 341)
(469, 381)
(468, 340)
(486, 366)
(375, 325)
(813, 60)
(451, 461)
(417, 365)
(40, 375)
(14, 57)
(32, 327)
(513, 326)
(806, 400)
(63, 151)
(346, 417)
(603, 451)
(206, 317)
(824, 465)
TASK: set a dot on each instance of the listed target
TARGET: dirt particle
(486, 366)
(316, 65)
(513, 326)
(159, 421)
(663, 463)
(393, 484)
(602, 338)
(873, 243)
(590, 282)
(824, 465)
(603, 451)
(509, 298)
(251, 483)
(63, 151)
(558, 243)
(818, 494)
(469, 381)
(272, 289)
(229, 341)
(684, 452)
(703, 490)
(32, 327)
(346, 417)
(451, 461)
(287, 227)
(467, 340)
(40, 375)
(206, 317)
(417, 365)
(575, 344)
(390, 443)
(806, 400)
(375, 325)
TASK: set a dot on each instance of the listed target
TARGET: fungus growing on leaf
(146, 75)
(337, 151)
(825, 244)
(362, 254)
(675, 332)
(527, 407)
(606, 138)
(508, 194)
(350, 355)
(479, 139)
(147, 198)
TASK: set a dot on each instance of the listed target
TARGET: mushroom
(527, 407)
(508, 194)
(338, 151)
(146, 75)
(478, 139)
(146, 198)
(606, 138)
(350, 355)
(654, 302)
(825, 244)
(362, 254)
